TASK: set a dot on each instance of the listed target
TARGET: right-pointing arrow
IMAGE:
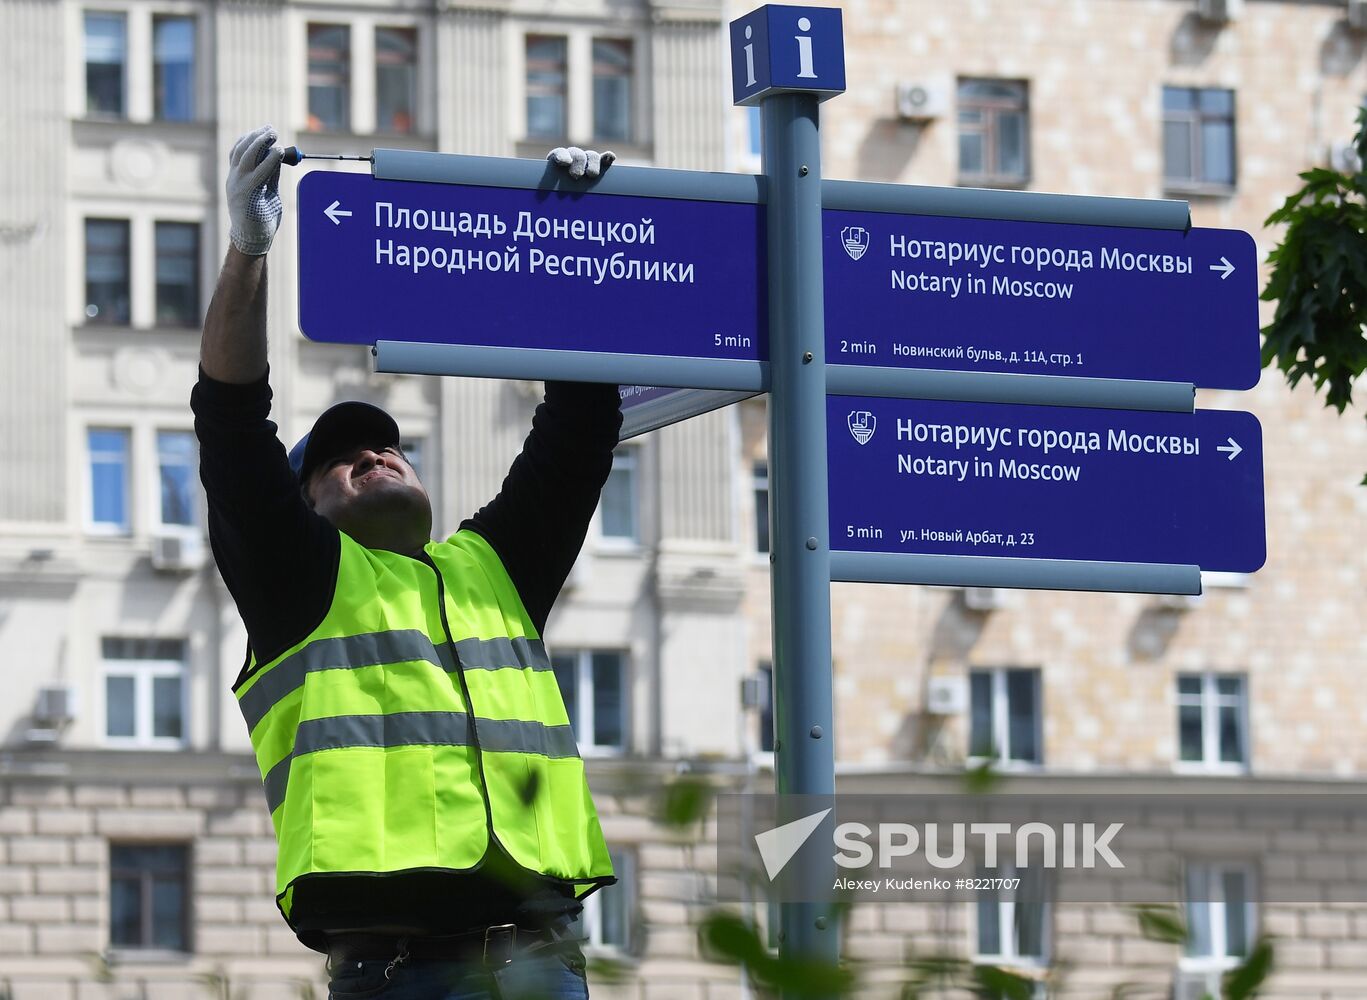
(1233, 448)
(1224, 267)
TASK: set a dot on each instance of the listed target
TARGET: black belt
(494, 946)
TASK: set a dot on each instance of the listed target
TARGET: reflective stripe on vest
(418, 728)
(401, 646)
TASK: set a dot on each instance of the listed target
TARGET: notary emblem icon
(862, 424)
(856, 241)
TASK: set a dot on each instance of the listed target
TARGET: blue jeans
(556, 974)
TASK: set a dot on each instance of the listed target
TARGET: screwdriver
(293, 154)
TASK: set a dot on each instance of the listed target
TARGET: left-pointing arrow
(332, 212)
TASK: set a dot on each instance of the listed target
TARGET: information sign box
(1031, 482)
(779, 48)
(1041, 299)
(530, 268)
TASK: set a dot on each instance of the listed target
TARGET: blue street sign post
(788, 59)
(1046, 483)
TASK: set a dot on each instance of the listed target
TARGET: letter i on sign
(804, 50)
(749, 58)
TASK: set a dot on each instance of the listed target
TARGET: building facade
(135, 856)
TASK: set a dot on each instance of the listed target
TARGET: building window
(177, 467)
(1014, 930)
(547, 86)
(1220, 914)
(1198, 138)
(607, 916)
(1212, 720)
(396, 79)
(994, 132)
(144, 692)
(149, 896)
(177, 274)
(593, 686)
(108, 449)
(1005, 716)
(106, 55)
(612, 76)
(620, 507)
(106, 271)
(329, 77)
(173, 69)
(759, 485)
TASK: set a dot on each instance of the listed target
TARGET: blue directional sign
(989, 479)
(1041, 299)
(530, 268)
(778, 48)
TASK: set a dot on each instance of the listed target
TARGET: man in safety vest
(434, 825)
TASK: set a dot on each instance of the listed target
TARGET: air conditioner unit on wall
(947, 695)
(984, 598)
(922, 100)
(1192, 985)
(1357, 15)
(56, 705)
(1219, 11)
(177, 551)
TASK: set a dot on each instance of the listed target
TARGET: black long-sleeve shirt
(279, 561)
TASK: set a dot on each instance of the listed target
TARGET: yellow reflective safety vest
(418, 720)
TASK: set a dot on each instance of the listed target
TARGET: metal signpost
(1010, 394)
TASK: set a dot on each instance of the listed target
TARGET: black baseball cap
(341, 427)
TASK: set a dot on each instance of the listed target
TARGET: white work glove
(581, 162)
(254, 207)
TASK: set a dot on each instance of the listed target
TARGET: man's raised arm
(233, 347)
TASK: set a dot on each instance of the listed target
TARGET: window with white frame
(106, 63)
(173, 68)
(329, 77)
(363, 75)
(149, 897)
(108, 282)
(593, 685)
(177, 270)
(143, 272)
(141, 64)
(1013, 925)
(144, 692)
(547, 86)
(1005, 716)
(1212, 720)
(1220, 914)
(759, 487)
(178, 474)
(396, 79)
(619, 509)
(109, 456)
(608, 914)
(580, 88)
(612, 77)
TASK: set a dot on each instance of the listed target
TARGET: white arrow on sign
(332, 211)
(1225, 267)
(1233, 448)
